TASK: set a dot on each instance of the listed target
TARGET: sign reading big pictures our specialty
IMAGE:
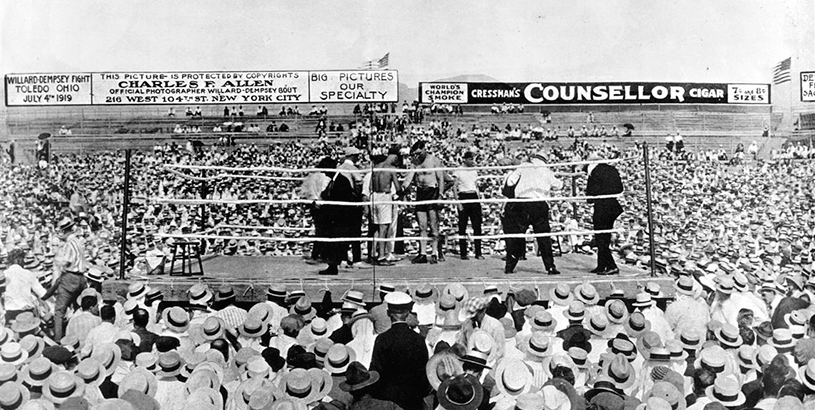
(201, 87)
(808, 86)
(593, 93)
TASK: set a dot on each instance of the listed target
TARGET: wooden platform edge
(175, 288)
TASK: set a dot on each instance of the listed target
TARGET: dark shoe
(465, 257)
(331, 270)
(509, 267)
(433, 260)
(597, 270)
(612, 271)
(479, 257)
(441, 257)
(419, 259)
(553, 271)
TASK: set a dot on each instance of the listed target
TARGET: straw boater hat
(262, 311)
(620, 371)
(9, 373)
(338, 358)
(686, 285)
(325, 381)
(137, 290)
(598, 324)
(745, 357)
(477, 358)
(253, 328)
(576, 311)
(304, 308)
(728, 336)
(213, 328)
(643, 300)
(34, 345)
(12, 353)
(513, 377)
(690, 339)
(762, 356)
(276, 291)
(616, 311)
(140, 380)
(13, 396)
(225, 293)
(176, 319)
(587, 294)
(204, 398)
(462, 392)
(147, 361)
(244, 392)
(713, 357)
(199, 294)
(91, 371)
(424, 293)
(806, 374)
(543, 322)
(61, 386)
(357, 377)
(436, 368)
(169, 364)
(356, 297)
(782, 340)
(561, 294)
(636, 325)
(537, 345)
(726, 390)
(37, 372)
(302, 386)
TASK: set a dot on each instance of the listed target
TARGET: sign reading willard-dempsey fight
(201, 87)
(594, 93)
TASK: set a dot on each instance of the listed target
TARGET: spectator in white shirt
(104, 333)
(23, 290)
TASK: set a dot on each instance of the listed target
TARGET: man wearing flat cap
(400, 356)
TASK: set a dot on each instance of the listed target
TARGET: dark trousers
(356, 232)
(517, 217)
(471, 212)
(605, 213)
(318, 248)
(70, 286)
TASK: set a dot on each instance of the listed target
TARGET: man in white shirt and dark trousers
(529, 183)
(465, 188)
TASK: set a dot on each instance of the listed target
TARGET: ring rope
(396, 239)
(343, 203)
(362, 171)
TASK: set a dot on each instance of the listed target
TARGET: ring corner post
(125, 206)
(648, 199)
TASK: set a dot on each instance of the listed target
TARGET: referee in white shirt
(529, 182)
(465, 188)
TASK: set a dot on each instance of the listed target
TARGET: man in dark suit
(400, 357)
(339, 219)
(604, 180)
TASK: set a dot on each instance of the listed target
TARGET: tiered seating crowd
(737, 239)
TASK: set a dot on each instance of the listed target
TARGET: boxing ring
(251, 275)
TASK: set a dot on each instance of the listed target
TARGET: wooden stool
(186, 250)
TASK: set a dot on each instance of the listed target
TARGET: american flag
(781, 73)
(380, 64)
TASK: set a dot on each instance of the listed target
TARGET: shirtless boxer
(382, 189)
(429, 186)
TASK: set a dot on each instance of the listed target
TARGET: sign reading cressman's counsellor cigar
(593, 93)
(201, 87)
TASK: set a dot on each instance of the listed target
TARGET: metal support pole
(574, 193)
(125, 206)
(650, 209)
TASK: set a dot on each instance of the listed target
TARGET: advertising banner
(354, 86)
(808, 86)
(210, 87)
(48, 89)
(594, 93)
(201, 87)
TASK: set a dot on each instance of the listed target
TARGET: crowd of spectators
(738, 239)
